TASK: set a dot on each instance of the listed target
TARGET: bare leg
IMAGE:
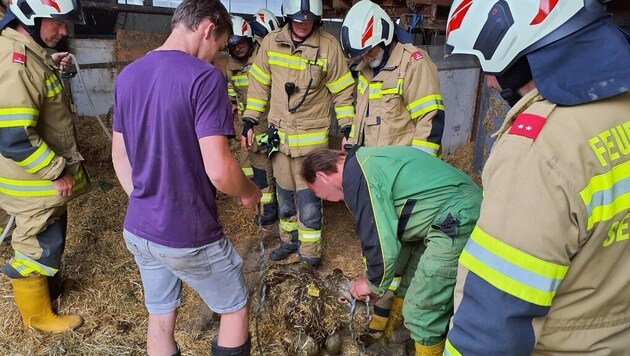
(161, 334)
(234, 327)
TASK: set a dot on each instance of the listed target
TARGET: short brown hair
(190, 13)
(321, 161)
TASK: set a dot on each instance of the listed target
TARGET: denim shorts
(214, 271)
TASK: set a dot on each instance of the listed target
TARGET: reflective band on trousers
(36, 187)
(248, 171)
(25, 266)
(309, 235)
(287, 225)
(267, 198)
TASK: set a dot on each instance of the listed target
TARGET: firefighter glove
(273, 140)
(346, 131)
(248, 124)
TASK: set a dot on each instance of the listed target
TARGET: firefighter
(398, 89)
(413, 214)
(297, 71)
(40, 165)
(264, 22)
(242, 47)
(545, 270)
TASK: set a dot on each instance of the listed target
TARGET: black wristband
(248, 124)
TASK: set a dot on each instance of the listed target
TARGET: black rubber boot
(285, 249)
(242, 350)
(55, 287)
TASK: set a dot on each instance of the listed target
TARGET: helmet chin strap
(513, 79)
(35, 32)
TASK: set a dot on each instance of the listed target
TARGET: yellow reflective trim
(18, 117)
(248, 171)
(395, 284)
(288, 226)
(303, 140)
(267, 198)
(240, 80)
(53, 86)
(425, 105)
(351, 131)
(256, 104)
(295, 62)
(426, 146)
(25, 266)
(362, 85)
(606, 195)
(376, 91)
(231, 92)
(36, 187)
(260, 75)
(519, 272)
(340, 84)
(38, 159)
(309, 235)
(344, 111)
(450, 350)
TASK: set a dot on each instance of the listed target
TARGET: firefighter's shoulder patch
(417, 55)
(19, 58)
(528, 125)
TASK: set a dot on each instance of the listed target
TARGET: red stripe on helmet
(262, 16)
(458, 16)
(544, 9)
(51, 3)
(367, 33)
(244, 28)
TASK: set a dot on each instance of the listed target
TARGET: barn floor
(107, 291)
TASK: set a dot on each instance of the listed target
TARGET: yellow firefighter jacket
(402, 104)
(318, 70)
(238, 82)
(37, 134)
(551, 251)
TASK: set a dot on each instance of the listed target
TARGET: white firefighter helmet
(264, 22)
(302, 10)
(500, 32)
(26, 11)
(241, 30)
(365, 26)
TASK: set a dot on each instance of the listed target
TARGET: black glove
(346, 131)
(248, 124)
(273, 140)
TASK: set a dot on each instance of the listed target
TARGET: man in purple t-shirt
(172, 121)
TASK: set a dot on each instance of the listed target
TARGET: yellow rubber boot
(433, 350)
(33, 302)
(395, 315)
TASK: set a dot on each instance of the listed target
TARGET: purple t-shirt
(164, 103)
